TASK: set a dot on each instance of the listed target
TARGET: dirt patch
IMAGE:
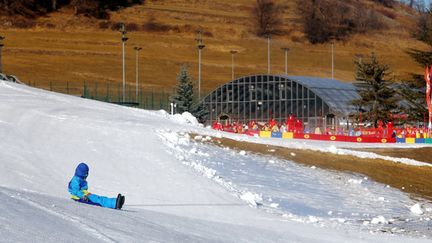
(419, 154)
(415, 180)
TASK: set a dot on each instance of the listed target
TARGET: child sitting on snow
(78, 189)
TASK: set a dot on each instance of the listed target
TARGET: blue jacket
(78, 186)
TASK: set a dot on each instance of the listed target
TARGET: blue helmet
(82, 170)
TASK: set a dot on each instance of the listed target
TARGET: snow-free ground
(178, 188)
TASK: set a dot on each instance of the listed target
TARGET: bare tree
(267, 17)
(324, 20)
(387, 3)
(54, 5)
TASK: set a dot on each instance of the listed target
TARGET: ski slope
(177, 189)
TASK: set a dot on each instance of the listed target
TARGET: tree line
(37, 8)
(327, 20)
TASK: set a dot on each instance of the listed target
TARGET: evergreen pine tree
(183, 97)
(414, 89)
(377, 99)
(200, 111)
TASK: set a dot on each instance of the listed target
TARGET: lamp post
(137, 49)
(233, 52)
(286, 49)
(1, 46)
(268, 53)
(332, 59)
(124, 39)
(200, 46)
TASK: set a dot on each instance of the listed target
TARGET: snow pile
(416, 209)
(379, 220)
(274, 205)
(208, 172)
(313, 219)
(252, 199)
(355, 181)
(163, 113)
(185, 118)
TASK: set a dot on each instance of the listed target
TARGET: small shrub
(152, 26)
(207, 33)
(116, 26)
(50, 26)
(388, 13)
(296, 39)
(23, 23)
(188, 28)
(104, 25)
(175, 29)
(131, 27)
(386, 3)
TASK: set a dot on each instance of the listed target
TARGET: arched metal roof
(336, 94)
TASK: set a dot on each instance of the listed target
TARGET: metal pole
(136, 75)
(1, 46)
(199, 74)
(137, 49)
(200, 47)
(1, 67)
(286, 49)
(268, 54)
(124, 39)
(123, 72)
(233, 52)
(332, 50)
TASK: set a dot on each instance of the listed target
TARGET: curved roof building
(316, 101)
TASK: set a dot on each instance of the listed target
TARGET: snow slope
(44, 135)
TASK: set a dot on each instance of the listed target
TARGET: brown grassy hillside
(62, 47)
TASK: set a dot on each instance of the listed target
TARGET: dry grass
(419, 154)
(412, 179)
(77, 49)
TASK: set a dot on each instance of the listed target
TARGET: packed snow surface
(178, 188)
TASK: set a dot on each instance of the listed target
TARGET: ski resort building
(317, 102)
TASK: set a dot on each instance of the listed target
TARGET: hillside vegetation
(63, 47)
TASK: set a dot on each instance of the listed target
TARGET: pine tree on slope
(414, 89)
(183, 98)
(377, 98)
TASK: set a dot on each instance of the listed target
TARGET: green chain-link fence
(147, 98)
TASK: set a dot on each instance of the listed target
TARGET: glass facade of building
(318, 102)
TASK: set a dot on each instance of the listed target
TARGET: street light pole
(200, 46)
(1, 46)
(286, 49)
(332, 56)
(233, 52)
(124, 39)
(268, 54)
(137, 49)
